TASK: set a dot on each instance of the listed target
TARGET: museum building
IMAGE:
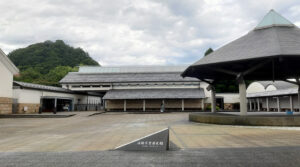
(272, 96)
(144, 88)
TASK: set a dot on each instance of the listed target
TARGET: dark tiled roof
(257, 44)
(40, 87)
(75, 77)
(276, 47)
(155, 94)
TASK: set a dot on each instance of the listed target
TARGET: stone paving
(109, 130)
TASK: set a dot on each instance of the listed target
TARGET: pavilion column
(291, 103)
(144, 105)
(267, 104)
(182, 104)
(213, 99)
(299, 97)
(258, 106)
(202, 104)
(278, 104)
(125, 103)
(243, 98)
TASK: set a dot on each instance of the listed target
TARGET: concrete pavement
(109, 130)
(213, 157)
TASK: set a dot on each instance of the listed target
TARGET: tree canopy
(225, 86)
(48, 62)
(208, 51)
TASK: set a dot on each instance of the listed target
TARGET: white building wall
(229, 97)
(285, 102)
(255, 87)
(34, 96)
(273, 102)
(271, 87)
(6, 83)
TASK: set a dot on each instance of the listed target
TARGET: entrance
(60, 104)
(220, 102)
(48, 105)
(64, 105)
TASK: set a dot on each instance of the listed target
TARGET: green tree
(208, 51)
(56, 74)
(46, 62)
(28, 75)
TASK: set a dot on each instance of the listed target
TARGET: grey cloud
(124, 32)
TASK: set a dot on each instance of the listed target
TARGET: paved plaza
(109, 130)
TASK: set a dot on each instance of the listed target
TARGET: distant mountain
(47, 62)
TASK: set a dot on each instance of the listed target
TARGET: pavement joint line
(178, 138)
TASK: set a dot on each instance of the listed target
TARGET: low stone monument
(158, 141)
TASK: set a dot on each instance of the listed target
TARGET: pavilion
(271, 51)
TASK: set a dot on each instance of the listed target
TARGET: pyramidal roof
(271, 19)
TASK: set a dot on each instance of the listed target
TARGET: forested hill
(47, 62)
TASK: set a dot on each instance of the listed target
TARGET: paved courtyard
(109, 130)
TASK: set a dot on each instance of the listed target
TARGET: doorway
(220, 102)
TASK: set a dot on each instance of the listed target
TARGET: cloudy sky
(136, 32)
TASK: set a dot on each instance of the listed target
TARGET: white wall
(229, 97)
(6, 83)
(270, 88)
(255, 87)
(34, 96)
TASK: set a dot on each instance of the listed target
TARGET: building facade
(32, 98)
(275, 96)
(7, 71)
(142, 88)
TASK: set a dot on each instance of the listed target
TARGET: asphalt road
(223, 157)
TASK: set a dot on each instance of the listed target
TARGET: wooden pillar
(125, 103)
(182, 104)
(243, 98)
(202, 104)
(144, 105)
(267, 104)
(213, 99)
(278, 104)
(291, 103)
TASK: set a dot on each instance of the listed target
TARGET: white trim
(9, 65)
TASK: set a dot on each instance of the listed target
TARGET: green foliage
(209, 108)
(208, 51)
(224, 86)
(48, 62)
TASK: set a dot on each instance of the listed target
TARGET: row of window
(137, 84)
